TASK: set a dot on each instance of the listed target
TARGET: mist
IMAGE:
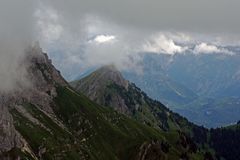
(68, 30)
(16, 33)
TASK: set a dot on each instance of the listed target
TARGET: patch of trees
(226, 142)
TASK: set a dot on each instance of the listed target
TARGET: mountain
(49, 120)
(206, 74)
(98, 81)
(207, 111)
(111, 84)
(106, 86)
(183, 81)
(155, 81)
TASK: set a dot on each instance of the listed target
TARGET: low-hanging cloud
(210, 49)
(16, 33)
(109, 50)
(95, 43)
(124, 28)
(163, 44)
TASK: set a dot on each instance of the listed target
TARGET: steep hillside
(107, 87)
(114, 91)
(51, 121)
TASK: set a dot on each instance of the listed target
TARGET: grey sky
(186, 15)
(198, 16)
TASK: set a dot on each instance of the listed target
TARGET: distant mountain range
(203, 87)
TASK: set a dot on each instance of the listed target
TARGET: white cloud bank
(206, 48)
(209, 49)
(180, 43)
(163, 44)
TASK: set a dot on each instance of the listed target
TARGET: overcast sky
(185, 15)
(78, 34)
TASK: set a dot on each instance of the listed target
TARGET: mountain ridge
(123, 97)
(213, 137)
(52, 121)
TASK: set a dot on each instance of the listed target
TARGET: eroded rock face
(9, 137)
(111, 73)
(96, 84)
(154, 150)
(43, 79)
(118, 103)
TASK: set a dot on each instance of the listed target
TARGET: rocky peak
(111, 74)
(38, 62)
(97, 83)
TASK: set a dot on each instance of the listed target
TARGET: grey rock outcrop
(43, 79)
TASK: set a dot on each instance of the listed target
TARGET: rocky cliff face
(94, 87)
(43, 78)
(9, 137)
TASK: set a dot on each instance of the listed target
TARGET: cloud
(100, 42)
(163, 44)
(48, 25)
(117, 54)
(209, 49)
(187, 15)
(120, 29)
(81, 34)
(104, 38)
(205, 48)
(97, 42)
(16, 33)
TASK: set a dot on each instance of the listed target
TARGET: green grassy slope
(93, 132)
